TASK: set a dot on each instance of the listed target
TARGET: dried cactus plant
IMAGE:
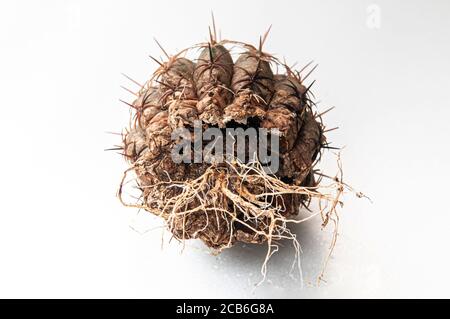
(223, 203)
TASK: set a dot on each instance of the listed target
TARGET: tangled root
(238, 201)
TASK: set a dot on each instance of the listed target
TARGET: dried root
(238, 202)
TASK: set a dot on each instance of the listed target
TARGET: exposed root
(232, 210)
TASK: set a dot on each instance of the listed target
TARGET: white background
(63, 233)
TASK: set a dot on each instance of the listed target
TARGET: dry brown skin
(229, 202)
(212, 76)
(253, 85)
